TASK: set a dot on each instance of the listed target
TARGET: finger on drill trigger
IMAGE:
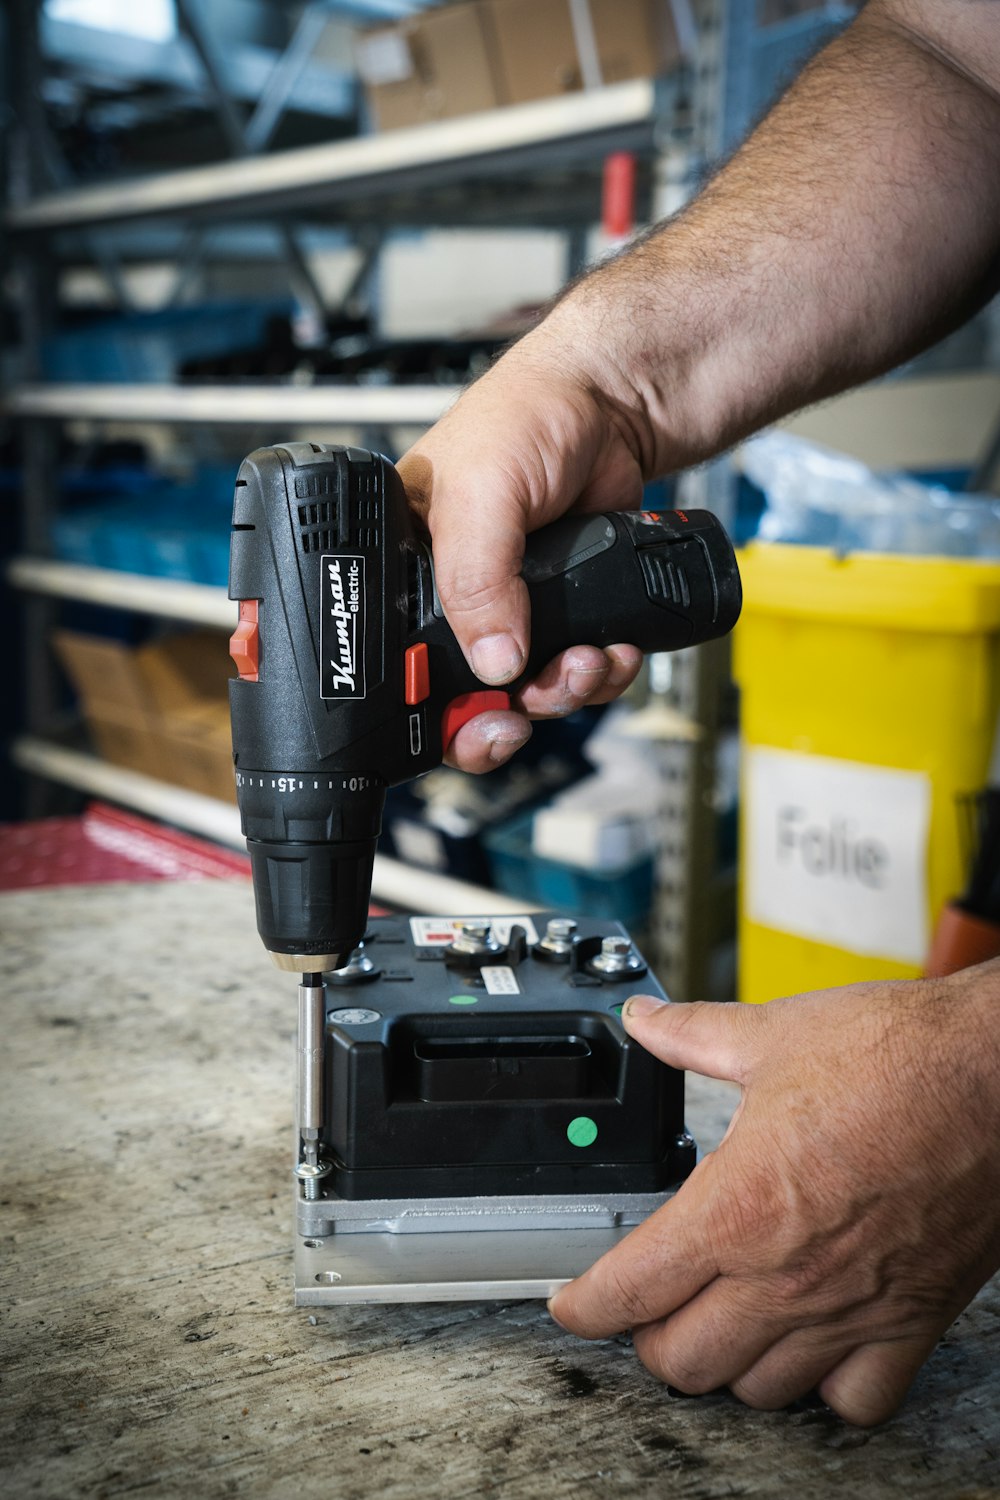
(488, 741)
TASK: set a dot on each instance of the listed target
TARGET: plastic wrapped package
(816, 497)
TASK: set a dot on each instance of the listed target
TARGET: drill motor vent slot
(320, 482)
(367, 518)
(320, 532)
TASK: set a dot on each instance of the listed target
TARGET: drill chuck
(351, 679)
(311, 899)
(312, 847)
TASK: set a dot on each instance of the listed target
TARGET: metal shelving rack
(532, 164)
(166, 598)
(412, 176)
(400, 168)
(274, 406)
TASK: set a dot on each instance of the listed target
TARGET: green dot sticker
(582, 1131)
(464, 1000)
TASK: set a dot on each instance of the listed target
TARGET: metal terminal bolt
(475, 937)
(357, 970)
(617, 957)
(311, 1177)
(558, 939)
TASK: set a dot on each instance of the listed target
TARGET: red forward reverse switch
(417, 685)
(244, 646)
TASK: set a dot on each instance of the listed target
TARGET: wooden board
(151, 1344)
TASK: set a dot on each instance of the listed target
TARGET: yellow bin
(870, 687)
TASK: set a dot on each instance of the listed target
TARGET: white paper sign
(838, 852)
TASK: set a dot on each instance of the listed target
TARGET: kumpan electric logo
(342, 627)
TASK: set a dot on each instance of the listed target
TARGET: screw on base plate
(311, 1177)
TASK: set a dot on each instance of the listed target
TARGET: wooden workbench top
(151, 1342)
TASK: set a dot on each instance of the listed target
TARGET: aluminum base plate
(454, 1266)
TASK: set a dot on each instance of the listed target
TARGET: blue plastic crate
(166, 531)
(139, 347)
(75, 537)
(193, 552)
(625, 893)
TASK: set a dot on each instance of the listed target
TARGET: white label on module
(500, 980)
(837, 852)
(437, 932)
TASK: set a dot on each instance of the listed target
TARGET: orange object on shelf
(960, 941)
(618, 195)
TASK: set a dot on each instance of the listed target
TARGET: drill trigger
(465, 707)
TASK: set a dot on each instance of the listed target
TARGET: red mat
(108, 844)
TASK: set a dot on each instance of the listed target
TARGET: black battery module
(487, 1066)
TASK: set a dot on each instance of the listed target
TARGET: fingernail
(506, 742)
(584, 681)
(505, 731)
(551, 1307)
(623, 668)
(640, 1005)
(496, 658)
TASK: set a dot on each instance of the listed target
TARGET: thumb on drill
(478, 546)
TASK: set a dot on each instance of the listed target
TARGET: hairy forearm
(857, 225)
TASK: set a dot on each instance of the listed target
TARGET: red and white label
(436, 932)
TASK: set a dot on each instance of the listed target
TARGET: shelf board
(393, 884)
(277, 407)
(548, 133)
(172, 599)
(174, 804)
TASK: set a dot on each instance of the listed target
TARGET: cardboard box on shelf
(161, 709)
(479, 54)
(536, 53)
(428, 67)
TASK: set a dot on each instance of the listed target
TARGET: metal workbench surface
(151, 1343)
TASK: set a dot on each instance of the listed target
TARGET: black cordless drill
(351, 679)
